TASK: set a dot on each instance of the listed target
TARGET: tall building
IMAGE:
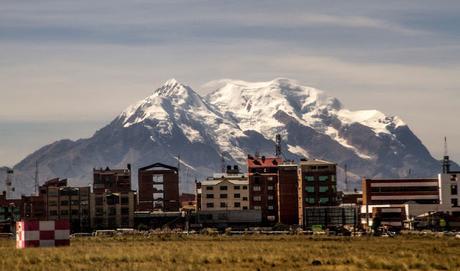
(287, 194)
(159, 188)
(263, 182)
(113, 201)
(317, 185)
(224, 191)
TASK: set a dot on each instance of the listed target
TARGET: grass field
(173, 252)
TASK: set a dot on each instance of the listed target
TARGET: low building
(224, 192)
(399, 191)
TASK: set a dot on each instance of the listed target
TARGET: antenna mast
(37, 184)
(346, 177)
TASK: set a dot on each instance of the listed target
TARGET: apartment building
(224, 192)
(112, 210)
(64, 202)
(317, 185)
(159, 188)
(112, 202)
(263, 183)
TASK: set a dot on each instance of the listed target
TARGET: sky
(69, 67)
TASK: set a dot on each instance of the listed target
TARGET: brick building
(113, 201)
(158, 188)
(287, 194)
(263, 180)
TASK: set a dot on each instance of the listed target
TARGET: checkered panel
(42, 233)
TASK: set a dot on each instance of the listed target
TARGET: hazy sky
(69, 67)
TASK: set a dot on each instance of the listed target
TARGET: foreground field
(238, 253)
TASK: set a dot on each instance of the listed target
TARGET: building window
(454, 202)
(256, 180)
(453, 177)
(245, 198)
(64, 212)
(64, 203)
(257, 207)
(270, 178)
(210, 205)
(333, 178)
(256, 198)
(323, 178)
(256, 188)
(323, 200)
(124, 200)
(309, 178)
(453, 189)
(245, 187)
(236, 196)
(271, 218)
(53, 213)
(209, 196)
(209, 188)
(270, 187)
(236, 187)
(270, 197)
(75, 212)
(270, 207)
(310, 189)
(112, 211)
(323, 189)
(245, 207)
(237, 205)
(223, 205)
(124, 211)
(99, 201)
(223, 196)
(223, 188)
(310, 200)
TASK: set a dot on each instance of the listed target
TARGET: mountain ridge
(234, 120)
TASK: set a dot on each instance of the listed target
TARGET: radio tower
(37, 184)
(446, 160)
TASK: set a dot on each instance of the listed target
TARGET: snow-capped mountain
(236, 119)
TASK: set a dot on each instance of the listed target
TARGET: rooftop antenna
(345, 168)
(36, 184)
(446, 160)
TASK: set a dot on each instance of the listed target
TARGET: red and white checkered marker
(36, 233)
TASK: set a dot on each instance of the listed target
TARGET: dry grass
(238, 253)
